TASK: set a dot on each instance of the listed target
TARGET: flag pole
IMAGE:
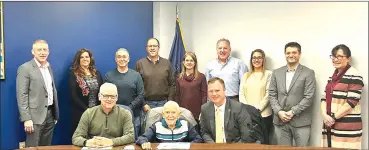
(177, 12)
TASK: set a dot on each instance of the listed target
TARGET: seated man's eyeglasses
(106, 97)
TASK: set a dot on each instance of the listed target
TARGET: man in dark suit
(223, 120)
(36, 97)
(291, 94)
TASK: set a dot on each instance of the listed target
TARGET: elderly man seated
(171, 128)
(106, 124)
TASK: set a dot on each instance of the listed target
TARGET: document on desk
(109, 147)
(178, 145)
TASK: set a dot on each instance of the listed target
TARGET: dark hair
(212, 80)
(76, 66)
(153, 39)
(293, 44)
(346, 50)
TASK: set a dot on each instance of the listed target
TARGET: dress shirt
(48, 81)
(289, 77)
(231, 72)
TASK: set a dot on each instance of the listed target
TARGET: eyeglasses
(257, 58)
(155, 46)
(106, 97)
(339, 57)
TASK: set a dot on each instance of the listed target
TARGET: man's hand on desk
(99, 142)
(146, 146)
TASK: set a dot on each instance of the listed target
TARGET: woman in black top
(84, 84)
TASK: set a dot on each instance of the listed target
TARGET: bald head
(108, 88)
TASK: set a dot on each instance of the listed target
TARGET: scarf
(330, 86)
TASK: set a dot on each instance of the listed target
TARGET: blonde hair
(183, 72)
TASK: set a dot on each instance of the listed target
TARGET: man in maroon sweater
(157, 75)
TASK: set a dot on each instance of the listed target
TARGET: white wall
(317, 26)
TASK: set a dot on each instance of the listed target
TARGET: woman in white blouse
(254, 87)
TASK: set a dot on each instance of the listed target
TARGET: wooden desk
(199, 146)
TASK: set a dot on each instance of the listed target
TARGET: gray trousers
(286, 134)
(43, 133)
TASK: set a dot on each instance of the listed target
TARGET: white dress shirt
(289, 77)
(48, 81)
(221, 108)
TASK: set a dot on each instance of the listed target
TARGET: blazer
(32, 95)
(237, 123)
(299, 97)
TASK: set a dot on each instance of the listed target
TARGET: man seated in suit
(170, 128)
(106, 124)
(223, 120)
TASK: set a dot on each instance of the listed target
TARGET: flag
(178, 49)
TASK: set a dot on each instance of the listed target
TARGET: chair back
(155, 114)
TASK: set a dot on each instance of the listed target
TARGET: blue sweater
(130, 88)
(159, 132)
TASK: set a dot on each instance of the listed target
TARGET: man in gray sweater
(106, 124)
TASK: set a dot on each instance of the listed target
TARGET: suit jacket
(299, 98)
(237, 123)
(32, 95)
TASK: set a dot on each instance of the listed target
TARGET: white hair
(171, 103)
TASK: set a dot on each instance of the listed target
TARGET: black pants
(43, 133)
(268, 121)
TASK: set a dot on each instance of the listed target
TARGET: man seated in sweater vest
(170, 128)
(106, 124)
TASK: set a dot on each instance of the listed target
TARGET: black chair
(259, 131)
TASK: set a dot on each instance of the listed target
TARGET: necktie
(218, 127)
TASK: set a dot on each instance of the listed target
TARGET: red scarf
(330, 86)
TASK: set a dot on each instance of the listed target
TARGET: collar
(229, 57)
(222, 107)
(293, 70)
(178, 123)
(39, 64)
(157, 61)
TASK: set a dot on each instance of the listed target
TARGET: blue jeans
(152, 104)
(137, 125)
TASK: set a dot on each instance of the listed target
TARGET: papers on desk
(109, 147)
(179, 145)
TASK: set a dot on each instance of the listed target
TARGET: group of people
(224, 100)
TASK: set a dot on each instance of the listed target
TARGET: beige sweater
(254, 91)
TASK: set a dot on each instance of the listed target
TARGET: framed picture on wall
(2, 59)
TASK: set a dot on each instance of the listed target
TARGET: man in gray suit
(223, 120)
(36, 97)
(291, 93)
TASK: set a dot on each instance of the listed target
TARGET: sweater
(117, 125)
(158, 78)
(254, 91)
(160, 132)
(130, 88)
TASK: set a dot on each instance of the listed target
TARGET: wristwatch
(333, 116)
